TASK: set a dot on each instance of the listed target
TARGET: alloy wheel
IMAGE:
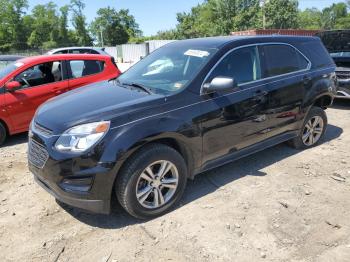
(313, 131)
(157, 184)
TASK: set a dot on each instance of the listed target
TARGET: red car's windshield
(9, 68)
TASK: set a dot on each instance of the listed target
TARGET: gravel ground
(277, 205)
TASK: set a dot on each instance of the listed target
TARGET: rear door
(39, 83)
(287, 73)
(83, 72)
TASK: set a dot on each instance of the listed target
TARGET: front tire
(152, 181)
(3, 134)
(313, 129)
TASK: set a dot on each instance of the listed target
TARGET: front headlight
(81, 138)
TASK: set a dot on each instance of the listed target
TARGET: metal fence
(132, 53)
(128, 53)
(25, 52)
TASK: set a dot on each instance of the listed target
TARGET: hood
(336, 41)
(96, 102)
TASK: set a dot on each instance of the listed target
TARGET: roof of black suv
(217, 42)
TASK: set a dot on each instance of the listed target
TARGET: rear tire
(312, 131)
(3, 134)
(152, 181)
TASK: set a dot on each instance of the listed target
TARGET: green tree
(46, 30)
(79, 22)
(281, 14)
(129, 23)
(214, 17)
(63, 36)
(249, 17)
(116, 27)
(310, 19)
(167, 35)
(12, 33)
(343, 23)
(188, 24)
(331, 14)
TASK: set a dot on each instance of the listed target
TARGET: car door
(233, 120)
(83, 72)
(39, 83)
(286, 69)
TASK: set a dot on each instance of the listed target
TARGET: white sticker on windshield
(18, 64)
(196, 53)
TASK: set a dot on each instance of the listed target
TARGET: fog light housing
(80, 185)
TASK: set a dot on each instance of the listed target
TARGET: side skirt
(247, 151)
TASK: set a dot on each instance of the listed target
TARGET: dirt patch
(277, 205)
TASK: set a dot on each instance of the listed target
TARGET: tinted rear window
(316, 52)
(281, 59)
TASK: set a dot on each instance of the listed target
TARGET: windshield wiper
(137, 85)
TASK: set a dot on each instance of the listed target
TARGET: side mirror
(13, 86)
(219, 84)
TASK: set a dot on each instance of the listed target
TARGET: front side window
(41, 74)
(81, 68)
(242, 65)
(281, 59)
(168, 70)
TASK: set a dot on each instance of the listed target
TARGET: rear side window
(81, 68)
(79, 51)
(281, 59)
(317, 53)
(242, 65)
(61, 52)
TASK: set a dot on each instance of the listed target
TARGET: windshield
(340, 54)
(8, 69)
(168, 69)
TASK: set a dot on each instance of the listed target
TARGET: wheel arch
(171, 141)
(323, 101)
(6, 126)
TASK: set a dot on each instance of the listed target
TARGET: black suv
(186, 108)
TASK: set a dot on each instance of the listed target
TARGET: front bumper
(343, 89)
(89, 200)
(96, 206)
(79, 181)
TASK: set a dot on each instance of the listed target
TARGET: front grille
(343, 74)
(37, 154)
(42, 130)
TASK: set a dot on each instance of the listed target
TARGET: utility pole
(262, 5)
(101, 31)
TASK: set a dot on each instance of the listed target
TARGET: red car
(29, 82)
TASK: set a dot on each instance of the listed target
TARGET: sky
(156, 15)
